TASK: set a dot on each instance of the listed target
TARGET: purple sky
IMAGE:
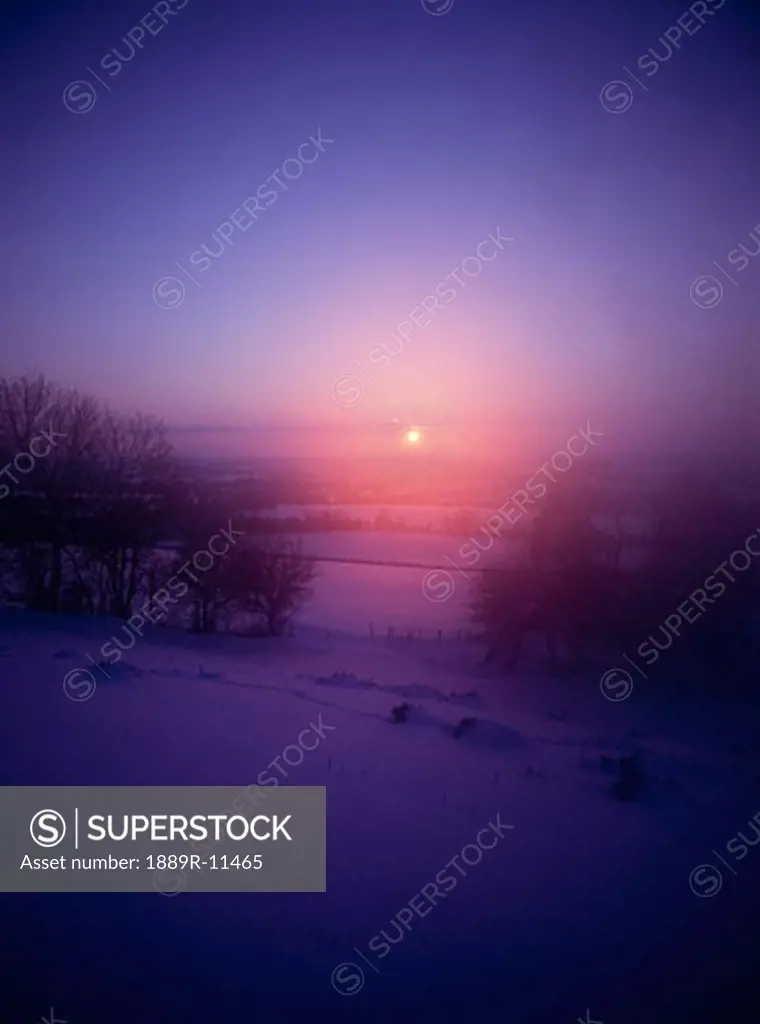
(445, 128)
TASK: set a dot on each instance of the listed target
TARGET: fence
(403, 633)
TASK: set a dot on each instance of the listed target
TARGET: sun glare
(412, 437)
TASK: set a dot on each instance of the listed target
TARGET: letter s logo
(47, 828)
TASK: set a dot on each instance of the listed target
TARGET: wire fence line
(394, 565)
(369, 561)
(404, 633)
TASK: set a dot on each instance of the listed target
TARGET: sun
(412, 437)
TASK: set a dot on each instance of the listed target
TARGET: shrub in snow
(401, 712)
(347, 679)
(630, 779)
(118, 671)
(206, 674)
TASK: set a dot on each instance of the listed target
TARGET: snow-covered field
(585, 903)
(414, 516)
(349, 597)
(436, 597)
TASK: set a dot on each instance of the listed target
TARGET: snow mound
(348, 681)
(492, 735)
(412, 691)
(119, 672)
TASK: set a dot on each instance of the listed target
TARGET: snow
(349, 596)
(584, 903)
(413, 516)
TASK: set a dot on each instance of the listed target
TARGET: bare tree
(570, 592)
(84, 518)
(23, 400)
(273, 581)
(134, 469)
(42, 516)
(198, 519)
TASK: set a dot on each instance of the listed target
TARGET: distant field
(349, 597)
(415, 516)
